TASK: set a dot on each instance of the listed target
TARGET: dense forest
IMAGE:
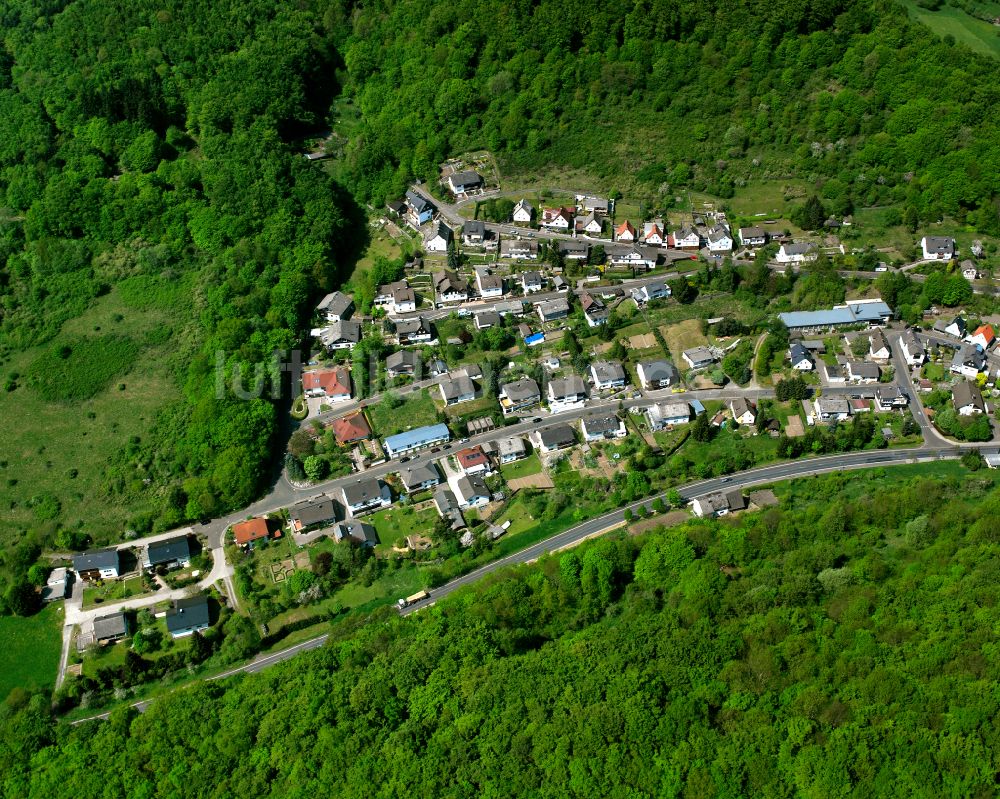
(842, 644)
(154, 150)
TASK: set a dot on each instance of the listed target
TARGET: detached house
(413, 331)
(753, 236)
(653, 233)
(111, 628)
(573, 249)
(473, 461)
(720, 239)
(983, 337)
(719, 504)
(969, 271)
(744, 411)
(878, 347)
(418, 208)
(97, 564)
(654, 375)
(531, 281)
(312, 513)
(351, 429)
(420, 477)
(554, 438)
(601, 427)
(366, 494)
(800, 357)
(404, 362)
(332, 384)
(797, 253)
(336, 306)
(955, 327)
(474, 233)
(969, 361)
(511, 449)
(557, 218)
(862, 372)
(625, 232)
(245, 534)
(523, 212)
(594, 311)
(968, 399)
(396, 297)
(519, 250)
(169, 553)
(188, 616)
(912, 349)
(342, 335)
(590, 224)
(687, 238)
(448, 287)
(439, 239)
(519, 395)
(698, 357)
(487, 319)
(651, 291)
(551, 310)
(607, 374)
(831, 409)
(464, 182)
(355, 532)
(937, 248)
(567, 394)
(490, 286)
(472, 492)
(457, 389)
(667, 414)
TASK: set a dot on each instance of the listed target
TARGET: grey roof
(849, 314)
(96, 559)
(601, 424)
(388, 289)
(864, 369)
(440, 229)
(511, 445)
(335, 302)
(474, 227)
(486, 319)
(408, 327)
(313, 511)
(735, 499)
(531, 277)
(741, 405)
(510, 246)
(719, 232)
(659, 370)
(520, 390)
(112, 626)
(418, 202)
(573, 246)
(910, 342)
(668, 410)
(969, 355)
(939, 244)
(467, 177)
(567, 386)
(830, 405)
(169, 550)
(699, 354)
(798, 353)
(344, 330)
(471, 486)
(878, 341)
(798, 248)
(753, 232)
(404, 358)
(186, 614)
(607, 371)
(366, 489)
(418, 474)
(445, 500)
(560, 435)
(458, 386)
(359, 532)
(489, 281)
(551, 308)
(522, 203)
(447, 281)
(968, 393)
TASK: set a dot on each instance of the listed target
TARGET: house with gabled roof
(519, 395)
(937, 248)
(490, 286)
(248, 532)
(912, 349)
(968, 361)
(667, 414)
(448, 287)
(878, 346)
(983, 337)
(351, 429)
(567, 393)
(465, 181)
(311, 513)
(336, 306)
(168, 553)
(594, 311)
(397, 297)
(744, 411)
(967, 398)
(98, 564)
(416, 330)
(657, 374)
(719, 504)
(601, 427)
(554, 438)
(686, 238)
(862, 372)
(524, 211)
(625, 232)
(402, 362)
(558, 218)
(457, 388)
(720, 239)
(653, 233)
(331, 384)
(800, 357)
(797, 253)
(590, 224)
(607, 374)
(342, 335)
(954, 327)
(188, 616)
(519, 250)
(111, 628)
(472, 492)
(365, 494)
(418, 208)
(473, 460)
(420, 476)
(754, 236)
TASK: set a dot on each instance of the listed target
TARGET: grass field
(29, 657)
(521, 468)
(112, 591)
(683, 336)
(974, 33)
(416, 410)
(400, 521)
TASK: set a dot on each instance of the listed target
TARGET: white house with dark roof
(457, 388)
(878, 346)
(720, 239)
(490, 286)
(519, 250)
(519, 395)
(800, 357)
(657, 290)
(474, 233)
(465, 181)
(687, 238)
(862, 372)
(594, 310)
(797, 253)
(754, 236)
(551, 310)
(336, 306)
(602, 427)
(913, 351)
(719, 504)
(698, 357)
(657, 374)
(449, 287)
(523, 211)
(417, 330)
(510, 449)
(937, 248)
(967, 398)
(554, 438)
(607, 374)
(342, 335)
(404, 362)
(566, 394)
(743, 410)
(366, 494)
(532, 281)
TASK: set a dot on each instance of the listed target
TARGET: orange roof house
(249, 531)
(985, 334)
(332, 383)
(349, 429)
(472, 460)
(625, 232)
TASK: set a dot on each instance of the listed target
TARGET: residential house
(420, 476)
(448, 287)
(797, 253)
(447, 508)
(510, 449)
(366, 494)
(169, 553)
(744, 411)
(657, 290)
(698, 357)
(800, 357)
(969, 271)
(396, 208)
(653, 233)
(417, 330)
(590, 224)
(594, 311)
(331, 384)
(834, 373)
(551, 310)
(607, 374)
(436, 367)
(336, 306)
(719, 504)
(937, 248)
(108, 629)
(912, 349)
(519, 396)
(573, 249)
(955, 327)
(519, 250)
(245, 534)
(524, 211)
(418, 208)
(57, 586)
(487, 319)
(862, 372)
(397, 297)
(457, 388)
(473, 460)
(97, 564)
(969, 361)
(657, 374)
(878, 347)
(567, 394)
(687, 238)
(983, 337)
(720, 239)
(754, 236)
(625, 232)
(355, 532)
(831, 409)
(472, 491)
(342, 335)
(967, 398)
(351, 429)
(667, 414)
(490, 286)
(557, 218)
(464, 182)
(418, 438)
(636, 257)
(890, 398)
(403, 362)
(312, 513)
(532, 281)
(554, 438)
(601, 427)
(188, 616)
(474, 233)
(597, 205)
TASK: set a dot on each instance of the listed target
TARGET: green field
(521, 468)
(29, 657)
(416, 410)
(400, 521)
(974, 33)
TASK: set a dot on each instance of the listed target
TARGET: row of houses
(106, 564)
(184, 617)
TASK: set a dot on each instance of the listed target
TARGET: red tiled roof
(251, 530)
(473, 456)
(351, 428)
(333, 382)
(986, 331)
(625, 226)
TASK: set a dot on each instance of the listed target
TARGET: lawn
(416, 410)
(522, 468)
(683, 336)
(974, 33)
(400, 521)
(29, 657)
(113, 591)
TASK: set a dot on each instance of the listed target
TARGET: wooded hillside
(842, 645)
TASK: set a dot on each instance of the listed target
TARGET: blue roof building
(854, 313)
(411, 440)
(534, 338)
